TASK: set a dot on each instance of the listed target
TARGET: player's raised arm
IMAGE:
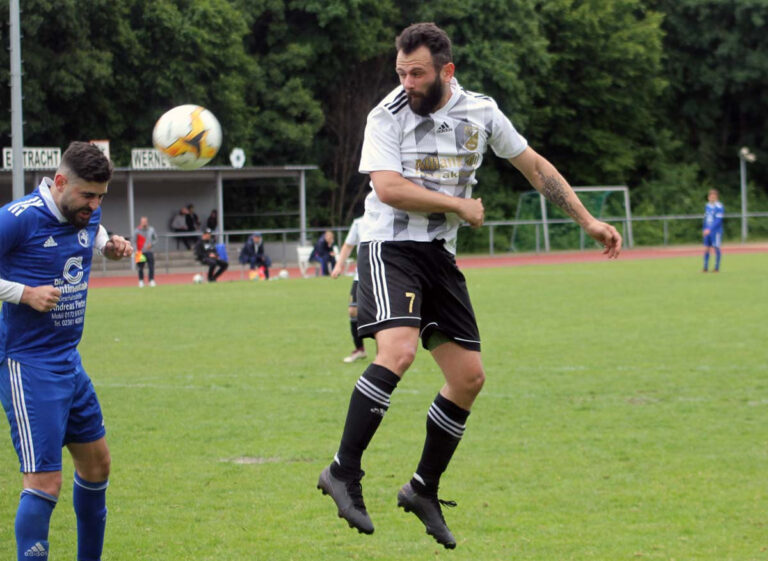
(549, 182)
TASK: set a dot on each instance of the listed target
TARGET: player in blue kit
(47, 240)
(713, 228)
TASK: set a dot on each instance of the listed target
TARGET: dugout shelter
(158, 194)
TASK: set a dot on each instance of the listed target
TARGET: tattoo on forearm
(555, 193)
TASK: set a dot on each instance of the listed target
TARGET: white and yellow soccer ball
(197, 279)
(188, 136)
(284, 274)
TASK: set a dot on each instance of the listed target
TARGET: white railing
(281, 243)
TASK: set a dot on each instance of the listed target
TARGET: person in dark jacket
(207, 254)
(323, 253)
(253, 255)
(212, 222)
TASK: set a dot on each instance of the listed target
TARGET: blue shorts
(713, 239)
(46, 411)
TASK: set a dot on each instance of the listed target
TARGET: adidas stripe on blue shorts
(46, 411)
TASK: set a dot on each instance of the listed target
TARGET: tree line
(658, 95)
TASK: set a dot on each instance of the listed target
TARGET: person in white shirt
(350, 243)
(422, 146)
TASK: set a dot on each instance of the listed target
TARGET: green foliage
(717, 64)
(596, 110)
(614, 424)
(635, 92)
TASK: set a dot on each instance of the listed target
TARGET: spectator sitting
(193, 222)
(179, 224)
(253, 255)
(212, 222)
(206, 253)
(323, 253)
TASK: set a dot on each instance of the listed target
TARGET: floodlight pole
(743, 173)
(17, 124)
(744, 156)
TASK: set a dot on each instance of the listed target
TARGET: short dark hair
(87, 161)
(429, 35)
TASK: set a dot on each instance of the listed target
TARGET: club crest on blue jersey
(73, 270)
(82, 237)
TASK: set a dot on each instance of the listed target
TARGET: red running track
(470, 262)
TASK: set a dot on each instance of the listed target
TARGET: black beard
(72, 217)
(426, 104)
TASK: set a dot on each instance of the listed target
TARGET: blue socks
(90, 503)
(32, 521)
(34, 515)
(718, 255)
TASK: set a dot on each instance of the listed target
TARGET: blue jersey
(38, 247)
(713, 217)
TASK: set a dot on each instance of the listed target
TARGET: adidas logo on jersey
(445, 127)
(50, 242)
(37, 550)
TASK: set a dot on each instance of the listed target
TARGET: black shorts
(415, 284)
(353, 295)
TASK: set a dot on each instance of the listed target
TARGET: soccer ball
(197, 279)
(188, 136)
(283, 274)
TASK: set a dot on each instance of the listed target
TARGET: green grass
(624, 417)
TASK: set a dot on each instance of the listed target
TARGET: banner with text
(148, 158)
(34, 158)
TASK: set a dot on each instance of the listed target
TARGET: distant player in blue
(713, 228)
(47, 240)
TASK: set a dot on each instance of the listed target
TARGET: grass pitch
(624, 417)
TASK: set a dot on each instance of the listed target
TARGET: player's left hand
(117, 247)
(607, 235)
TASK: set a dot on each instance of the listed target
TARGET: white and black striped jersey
(440, 152)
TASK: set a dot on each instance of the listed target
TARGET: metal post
(285, 250)
(131, 215)
(743, 173)
(490, 239)
(544, 224)
(302, 208)
(628, 212)
(220, 206)
(744, 156)
(17, 123)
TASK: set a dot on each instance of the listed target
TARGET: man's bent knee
(45, 481)
(95, 470)
(476, 382)
(470, 384)
(397, 363)
(92, 460)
